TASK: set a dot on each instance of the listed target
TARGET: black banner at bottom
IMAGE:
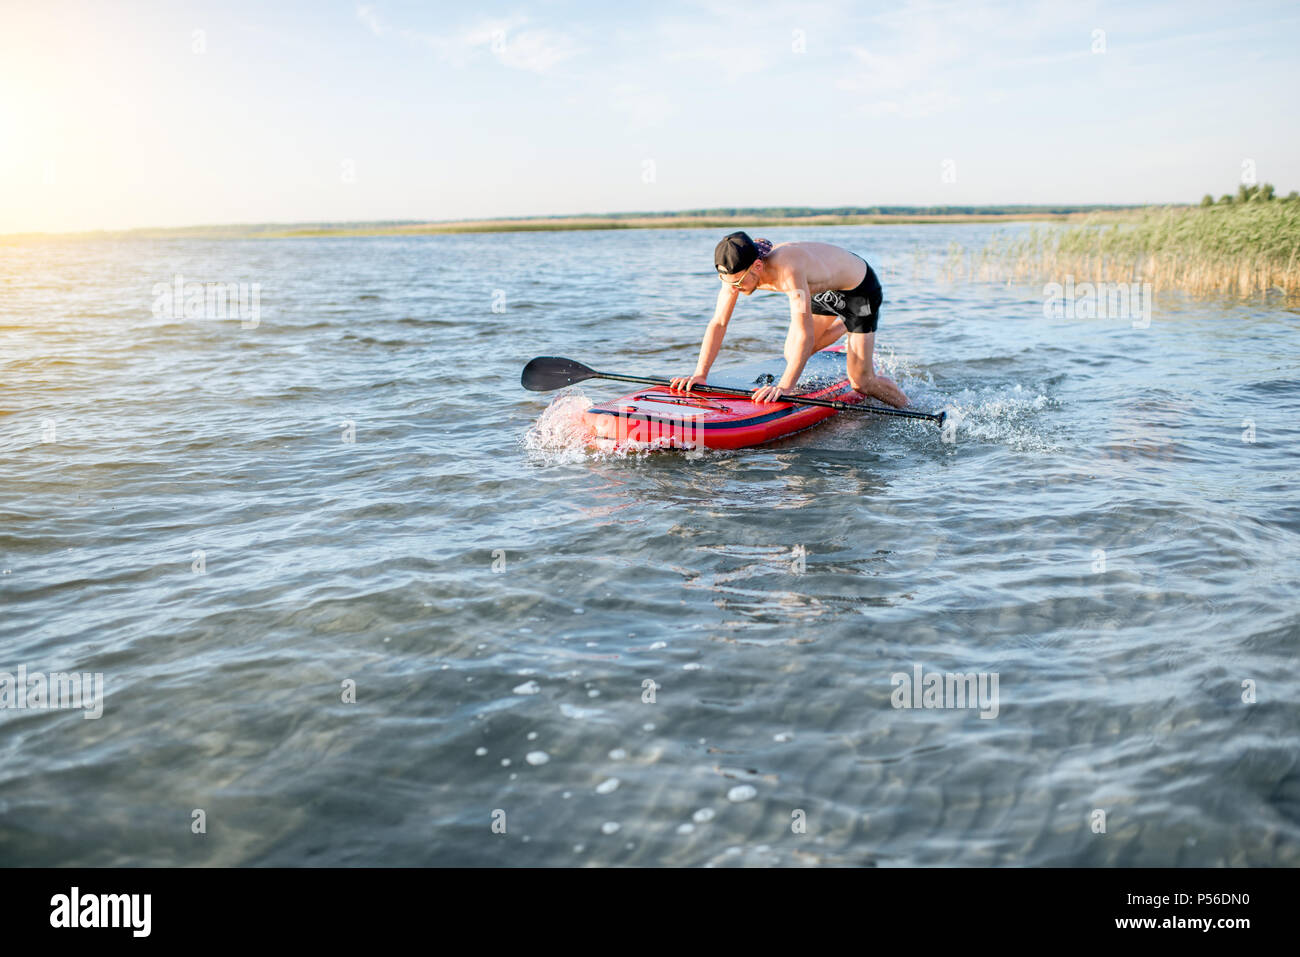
(334, 906)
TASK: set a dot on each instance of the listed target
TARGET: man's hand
(769, 393)
(684, 383)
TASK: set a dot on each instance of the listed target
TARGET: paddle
(546, 373)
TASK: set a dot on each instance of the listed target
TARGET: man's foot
(883, 389)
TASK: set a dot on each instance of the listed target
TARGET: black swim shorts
(859, 307)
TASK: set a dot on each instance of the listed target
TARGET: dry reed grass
(1243, 250)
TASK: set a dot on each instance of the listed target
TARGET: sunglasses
(739, 281)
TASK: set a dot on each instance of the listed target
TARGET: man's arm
(799, 343)
(713, 336)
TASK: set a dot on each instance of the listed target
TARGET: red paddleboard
(657, 417)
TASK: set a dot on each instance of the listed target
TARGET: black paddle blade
(546, 373)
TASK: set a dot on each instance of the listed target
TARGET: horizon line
(726, 211)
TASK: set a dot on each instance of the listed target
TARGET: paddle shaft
(797, 399)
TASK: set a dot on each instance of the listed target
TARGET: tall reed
(1241, 249)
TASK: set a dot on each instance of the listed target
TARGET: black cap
(735, 253)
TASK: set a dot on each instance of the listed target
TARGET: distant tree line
(790, 212)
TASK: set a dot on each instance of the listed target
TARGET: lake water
(644, 659)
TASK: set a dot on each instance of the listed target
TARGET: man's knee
(860, 369)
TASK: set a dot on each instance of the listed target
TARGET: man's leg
(862, 372)
(826, 331)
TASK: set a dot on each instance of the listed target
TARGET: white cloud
(916, 58)
(366, 14)
(487, 32)
(535, 50)
(909, 83)
(726, 52)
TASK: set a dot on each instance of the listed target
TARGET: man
(832, 291)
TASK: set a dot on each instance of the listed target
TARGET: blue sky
(119, 115)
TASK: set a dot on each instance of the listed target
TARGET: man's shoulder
(807, 250)
(791, 253)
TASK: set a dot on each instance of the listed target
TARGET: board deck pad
(657, 417)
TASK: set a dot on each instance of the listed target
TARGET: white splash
(559, 434)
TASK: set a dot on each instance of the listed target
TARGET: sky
(119, 115)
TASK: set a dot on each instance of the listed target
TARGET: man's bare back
(823, 266)
(832, 292)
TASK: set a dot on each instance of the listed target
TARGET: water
(1101, 536)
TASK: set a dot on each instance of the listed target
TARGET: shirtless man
(832, 292)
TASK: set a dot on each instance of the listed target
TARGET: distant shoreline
(718, 219)
(559, 224)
